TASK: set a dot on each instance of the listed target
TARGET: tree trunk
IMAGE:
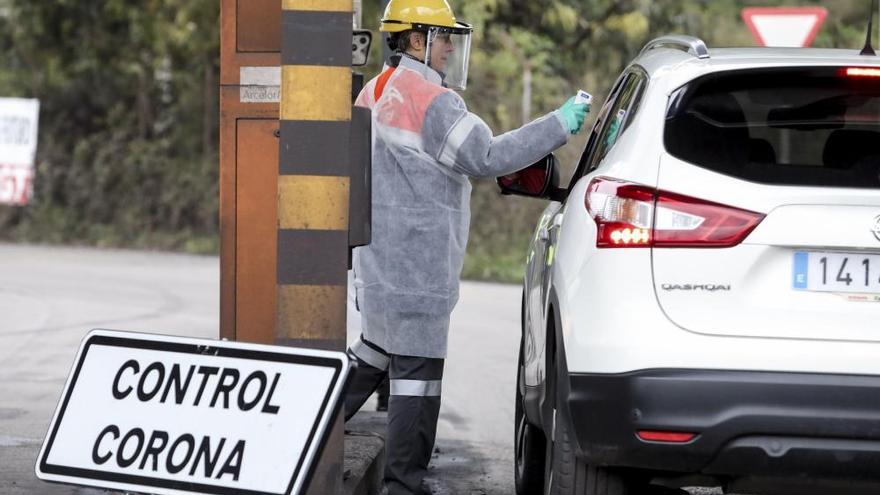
(527, 93)
(145, 110)
(511, 45)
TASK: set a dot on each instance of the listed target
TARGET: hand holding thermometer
(574, 111)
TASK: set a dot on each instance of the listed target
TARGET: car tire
(569, 475)
(566, 473)
(529, 446)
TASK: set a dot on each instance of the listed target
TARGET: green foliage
(128, 150)
(129, 103)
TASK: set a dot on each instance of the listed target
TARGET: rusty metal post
(313, 190)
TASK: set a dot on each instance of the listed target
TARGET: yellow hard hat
(401, 15)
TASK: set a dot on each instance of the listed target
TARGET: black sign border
(207, 349)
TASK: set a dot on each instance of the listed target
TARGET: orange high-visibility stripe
(381, 82)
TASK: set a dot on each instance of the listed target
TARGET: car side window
(597, 129)
(616, 119)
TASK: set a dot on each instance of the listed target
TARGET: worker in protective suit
(426, 146)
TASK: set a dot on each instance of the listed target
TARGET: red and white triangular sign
(784, 26)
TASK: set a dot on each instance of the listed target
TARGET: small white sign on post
(175, 415)
(18, 147)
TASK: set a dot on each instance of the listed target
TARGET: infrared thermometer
(583, 98)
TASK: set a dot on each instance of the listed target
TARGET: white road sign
(784, 26)
(175, 415)
(18, 146)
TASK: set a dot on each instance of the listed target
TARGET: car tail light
(623, 212)
(632, 215)
(665, 436)
(862, 71)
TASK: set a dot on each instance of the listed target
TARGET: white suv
(702, 302)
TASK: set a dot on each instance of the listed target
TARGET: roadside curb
(364, 458)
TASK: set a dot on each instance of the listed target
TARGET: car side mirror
(539, 180)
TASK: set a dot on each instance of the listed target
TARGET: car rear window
(795, 126)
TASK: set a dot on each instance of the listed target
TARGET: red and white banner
(16, 184)
(784, 26)
(18, 147)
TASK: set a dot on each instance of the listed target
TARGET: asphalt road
(475, 434)
(51, 297)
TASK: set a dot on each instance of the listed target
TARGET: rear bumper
(747, 423)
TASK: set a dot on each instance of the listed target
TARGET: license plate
(837, 272)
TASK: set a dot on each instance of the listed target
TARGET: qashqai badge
(876, 229)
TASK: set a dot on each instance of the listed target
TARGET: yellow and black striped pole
(313, 190)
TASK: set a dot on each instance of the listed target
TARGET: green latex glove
(574, 114)
(613, 130)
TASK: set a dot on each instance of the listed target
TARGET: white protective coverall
(425, 147)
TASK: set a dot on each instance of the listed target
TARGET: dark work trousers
(371, 371)
(382, 394)
(413, 410)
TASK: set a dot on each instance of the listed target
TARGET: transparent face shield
(449, 53)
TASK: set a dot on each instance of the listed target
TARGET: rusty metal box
(250, 81)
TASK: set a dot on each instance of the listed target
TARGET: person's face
(441, 48)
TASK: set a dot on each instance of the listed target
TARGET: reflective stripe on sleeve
(416, 388)
(370, 356)
(459, 133)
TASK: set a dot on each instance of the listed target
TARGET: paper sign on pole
(174, 415)
(784, 26)
(18, 146)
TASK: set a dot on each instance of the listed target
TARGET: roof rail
(694, 46)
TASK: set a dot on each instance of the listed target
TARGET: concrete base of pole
(364, 453)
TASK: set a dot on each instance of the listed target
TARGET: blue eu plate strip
(800, 271)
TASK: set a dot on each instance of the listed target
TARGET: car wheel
(569, 475)
(529, 446)
(565, 473)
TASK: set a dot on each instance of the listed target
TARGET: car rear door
(798, 152)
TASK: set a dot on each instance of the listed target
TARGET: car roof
(801, 54)
(672, 67)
